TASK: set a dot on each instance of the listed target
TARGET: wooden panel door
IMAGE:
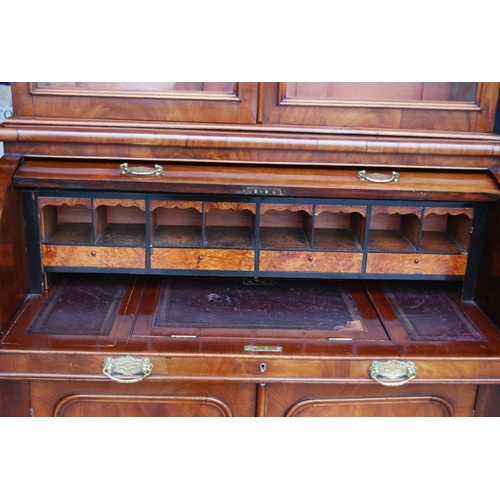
(14, 398)
(369, 400)
(195, 102)
(82, 399)
(464, 107)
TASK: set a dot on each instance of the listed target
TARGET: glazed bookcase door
(193, 102)
(419, 106)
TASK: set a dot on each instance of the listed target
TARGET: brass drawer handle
(363, 176)
(140, 170)
(389, 373)
(129, 367)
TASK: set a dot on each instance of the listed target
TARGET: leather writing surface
(428, 312)
(277, 304)
(82, 304)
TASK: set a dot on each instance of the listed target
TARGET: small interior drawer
(203, 259)
(415, 263)
(93, 256)
(320, 262)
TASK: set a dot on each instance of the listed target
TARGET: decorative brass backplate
(393, 369)
(127, 366)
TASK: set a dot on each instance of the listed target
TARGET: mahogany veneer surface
(70, 399)
(187, 345)
(230, 179)
(297, 400)
(245, 146)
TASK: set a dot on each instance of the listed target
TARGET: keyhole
(263, 367)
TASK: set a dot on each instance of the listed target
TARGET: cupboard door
(464, 107)
(368, 400)
(86, 399)
(195, 102)
(14, 398)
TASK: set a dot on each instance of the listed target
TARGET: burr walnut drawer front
(320, 262)
(203, 259)
(93, 256)
(414, 263)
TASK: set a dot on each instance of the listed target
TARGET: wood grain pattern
(92, 405)
(251, 207)
(488, 401)
(340, 209)
(397, 210)
(307, 144)
(313, 105)
(184, 360)
(8, 167)
(197, 205)
(123, 202)
(235, 107)
(469, 212)
(14, 398)
(203, 259)
(13, 268)
(327, 153)
(57, 202)
(291, 207)
(316, 262)
(93, 256)
(110, 399)
(403, 406)
(189, 178)
(415, 263)
(224, 358)
(370, 401)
